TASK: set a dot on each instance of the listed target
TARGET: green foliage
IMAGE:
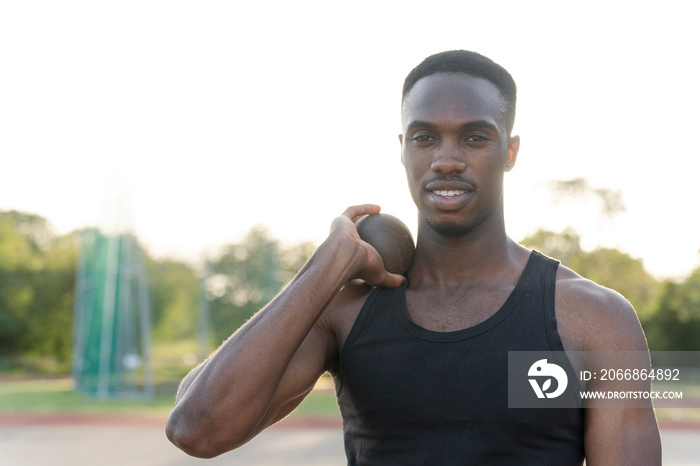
(174, 289)
(607, 267)
(622, 273)
(669, 311)
(37, 276)
(248, 274)
(37, 280)
(564, 246)
(675, 326)
(53, 300)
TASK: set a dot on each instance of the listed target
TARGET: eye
(475, 138)
(423, 138)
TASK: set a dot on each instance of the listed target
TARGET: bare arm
(265, 369)
(606, 324)
(622, 434)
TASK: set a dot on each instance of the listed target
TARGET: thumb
(392, 280)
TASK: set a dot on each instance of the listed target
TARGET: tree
(174, 292)
(563, 246)
(621, 272)
(674, 324)
(37, 275)
(49, 331)
(247, 275)
(607, 267)
(37, 283)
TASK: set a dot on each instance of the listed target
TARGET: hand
(369, 265)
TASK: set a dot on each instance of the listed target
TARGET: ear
(513, 147)
(401, 143)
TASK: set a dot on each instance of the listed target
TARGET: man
(419, 362)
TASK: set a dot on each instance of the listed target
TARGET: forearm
(232, 391)
(187, 382)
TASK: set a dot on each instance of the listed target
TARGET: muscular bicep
(602, 325)
(622, 428)
(621, 436)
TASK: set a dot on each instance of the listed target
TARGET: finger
(357, 211)
(386, 279)
(392, 280)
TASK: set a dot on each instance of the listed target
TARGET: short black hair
(473, 64)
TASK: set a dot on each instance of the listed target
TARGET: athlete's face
(455, 150)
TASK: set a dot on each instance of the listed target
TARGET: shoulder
(591, 317)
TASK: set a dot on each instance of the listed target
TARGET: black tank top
(411, 396)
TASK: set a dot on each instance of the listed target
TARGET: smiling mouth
(451, 193)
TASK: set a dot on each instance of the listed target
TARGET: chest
(396, 378)
(447, 311)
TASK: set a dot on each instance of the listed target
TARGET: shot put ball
(391, 238)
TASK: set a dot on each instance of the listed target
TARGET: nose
(448, 159)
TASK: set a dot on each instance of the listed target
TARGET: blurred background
(211, 145)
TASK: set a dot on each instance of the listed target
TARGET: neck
(477, 257)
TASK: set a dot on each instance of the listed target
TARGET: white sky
(220, 115)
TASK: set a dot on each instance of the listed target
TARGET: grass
(56, 395)
(172, 360)
(19, 395)
(321, 402)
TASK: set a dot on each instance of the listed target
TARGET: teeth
(449, 193)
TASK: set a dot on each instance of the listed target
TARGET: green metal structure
(112, 324)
